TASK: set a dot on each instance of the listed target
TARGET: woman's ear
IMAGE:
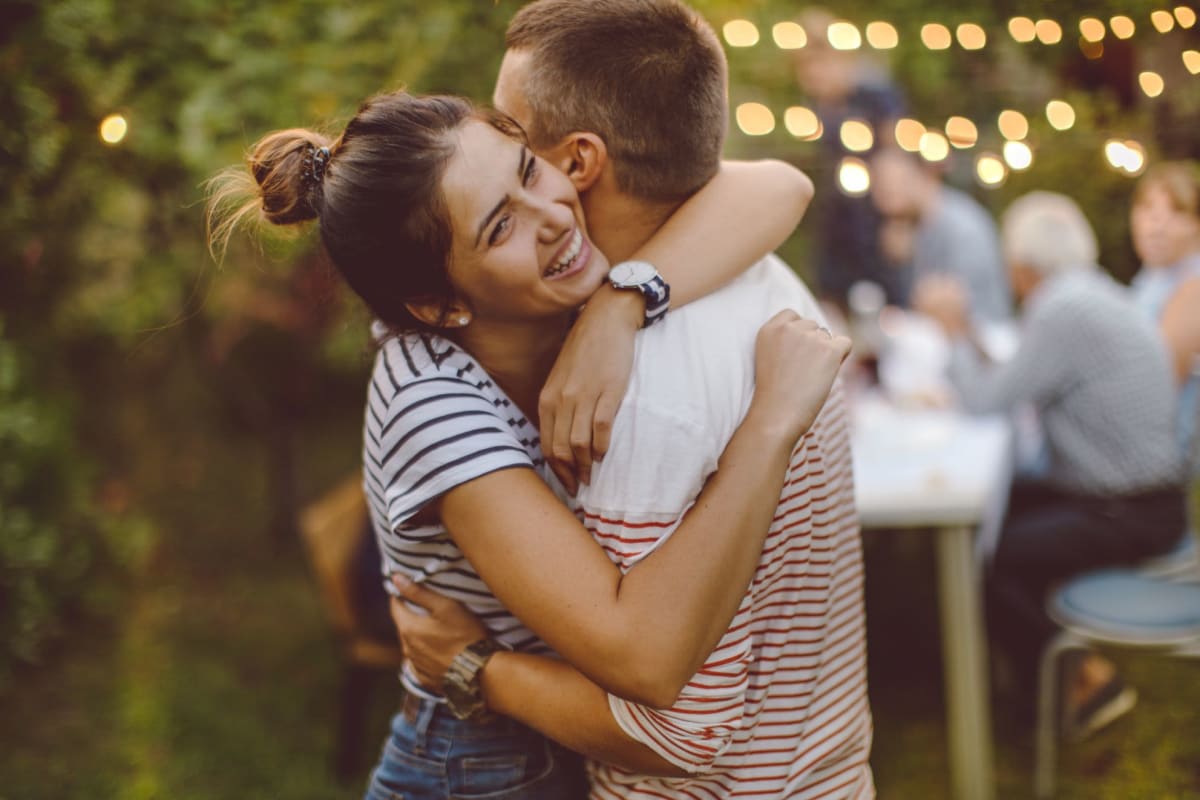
(437, 313)
(581, 156)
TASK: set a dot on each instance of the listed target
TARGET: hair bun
(289, 166)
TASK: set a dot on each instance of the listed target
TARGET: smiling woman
(473, 253)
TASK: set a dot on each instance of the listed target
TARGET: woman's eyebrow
(503, 200)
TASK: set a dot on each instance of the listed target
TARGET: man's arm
(544, 693)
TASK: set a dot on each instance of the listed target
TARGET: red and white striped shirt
(779, 710)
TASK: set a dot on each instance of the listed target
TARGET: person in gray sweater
(1099, 378)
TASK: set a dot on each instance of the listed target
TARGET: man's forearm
(553, 698)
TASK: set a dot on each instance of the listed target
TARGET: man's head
(1045, 234)
(646, 77)
(902, 186)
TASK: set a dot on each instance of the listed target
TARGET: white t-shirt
(780, 707)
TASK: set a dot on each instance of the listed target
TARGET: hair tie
(315, 161)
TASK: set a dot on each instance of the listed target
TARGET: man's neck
(619, 224)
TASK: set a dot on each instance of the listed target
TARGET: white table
(949, 473)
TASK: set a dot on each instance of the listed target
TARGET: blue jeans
(431, 755)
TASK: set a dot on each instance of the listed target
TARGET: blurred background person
(1094, 368)
(952, 235)
(1165, 224)
(840, 85)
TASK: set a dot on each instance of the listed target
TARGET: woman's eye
(500, 228)
(530, 171)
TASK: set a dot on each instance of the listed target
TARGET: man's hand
(944, 299)
(585, 388)
(432, 640)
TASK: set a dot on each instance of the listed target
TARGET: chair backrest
(331, 528)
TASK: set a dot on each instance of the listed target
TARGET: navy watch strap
(658, 298)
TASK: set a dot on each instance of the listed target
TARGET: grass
(218, 679)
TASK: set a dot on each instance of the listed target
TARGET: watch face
(632, 273)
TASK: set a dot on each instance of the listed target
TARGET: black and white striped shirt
(436, 420)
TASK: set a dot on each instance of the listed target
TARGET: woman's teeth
(568, 257)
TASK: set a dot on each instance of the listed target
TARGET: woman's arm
(642, 635)
(1180, 326)
(747, 210)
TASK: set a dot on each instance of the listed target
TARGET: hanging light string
(935, 144)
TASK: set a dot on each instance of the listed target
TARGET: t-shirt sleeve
(701, 724)
(654, 470)
(437, 433)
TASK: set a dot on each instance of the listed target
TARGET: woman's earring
(462, 320)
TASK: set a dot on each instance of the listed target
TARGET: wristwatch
(460, 686)
(642, 275)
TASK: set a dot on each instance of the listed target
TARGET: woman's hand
(795, 363)
(431, 640)
(585, 388)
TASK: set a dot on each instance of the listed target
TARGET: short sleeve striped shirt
(436, 420)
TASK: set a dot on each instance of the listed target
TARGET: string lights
(932, 143)
(113, 129)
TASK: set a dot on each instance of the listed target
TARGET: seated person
(1165, 223)
(1094, 369)
(951, 233)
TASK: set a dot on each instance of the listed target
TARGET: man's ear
(436, 312)
(582, 156)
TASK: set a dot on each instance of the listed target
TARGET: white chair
(1119, 608)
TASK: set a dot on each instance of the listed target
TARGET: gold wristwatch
(460, 686)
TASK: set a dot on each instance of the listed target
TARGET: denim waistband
(433, 717)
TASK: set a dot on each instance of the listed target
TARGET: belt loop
(421, 727)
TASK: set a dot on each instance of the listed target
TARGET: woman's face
(520, 250)
(1162, 233)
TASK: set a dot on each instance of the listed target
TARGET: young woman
(474, 255)
(1165, 223)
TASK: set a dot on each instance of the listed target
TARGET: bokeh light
(843, 36)
(1191, 60)
(1162, 21)
(1186, 16)
(113, 129)
(740, 33)
(882, 35)
(755, 119)
(853, 176)
(961, 132)
(1060, 114)
(1091, 29)
(933, 146)
(971, 36)
(1151, 83)
(1049, 31)
(857, 136)
(1018, 155)
(1128, 156)
(1012, 124)
(908, 134)
(789, 36)
(802, 123)
(935, 36)
(1122, 26)
(1022, 29)
(990, 170)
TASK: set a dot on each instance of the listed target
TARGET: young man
(627, 97)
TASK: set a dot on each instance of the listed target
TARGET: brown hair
(378, 203)
(647, 76)
(1179, 179)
